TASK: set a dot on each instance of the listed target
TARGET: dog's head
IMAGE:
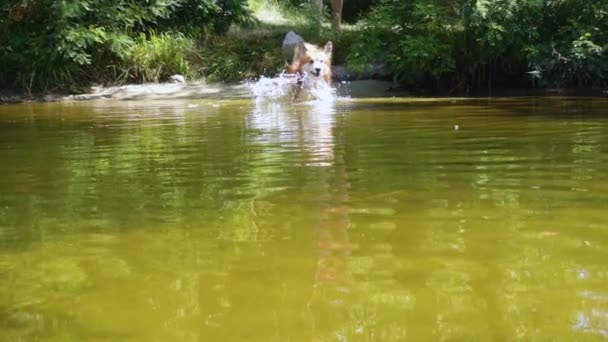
(314, 61)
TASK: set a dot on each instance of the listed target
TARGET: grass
(155, 57)
(237, 56)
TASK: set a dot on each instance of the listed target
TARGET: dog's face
(314, 61)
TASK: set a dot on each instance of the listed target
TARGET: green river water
(357, 220)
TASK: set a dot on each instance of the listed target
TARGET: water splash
(285, 87)
(273, 88)
(306, 126)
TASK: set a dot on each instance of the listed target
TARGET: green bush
(50, 44)
(238, 57)
(572, 49)
(478, 43)
(156, 57)
(351, 11)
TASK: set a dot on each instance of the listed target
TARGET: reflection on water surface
(351, 221)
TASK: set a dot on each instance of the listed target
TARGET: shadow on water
(271, 220)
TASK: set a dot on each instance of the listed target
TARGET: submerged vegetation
(454, 45)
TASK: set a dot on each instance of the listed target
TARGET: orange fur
(309, 59)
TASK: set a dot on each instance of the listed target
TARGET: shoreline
(203, 90)
(145, 91)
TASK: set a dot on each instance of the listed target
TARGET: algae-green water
(357, 220)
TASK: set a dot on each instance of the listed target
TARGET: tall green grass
(154, 58)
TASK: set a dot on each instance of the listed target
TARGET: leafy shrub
(572, 49)
(475, 43)
(155, 58)
(413, 37)
(352, 11)
(239, 57)
(61, 44)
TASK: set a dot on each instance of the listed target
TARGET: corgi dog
(312, 64)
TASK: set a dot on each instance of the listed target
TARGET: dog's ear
(300, 50)
(328, 48)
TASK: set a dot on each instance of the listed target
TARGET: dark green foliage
(477, 43)
(216, 14)
(62, 43)
(451, 45)
(573, 42)
(238, 57)
(353, 10)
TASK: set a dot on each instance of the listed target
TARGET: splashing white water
(285, 87)
(307, 126)
(273, 88)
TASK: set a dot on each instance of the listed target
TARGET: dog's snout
(317, 70)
